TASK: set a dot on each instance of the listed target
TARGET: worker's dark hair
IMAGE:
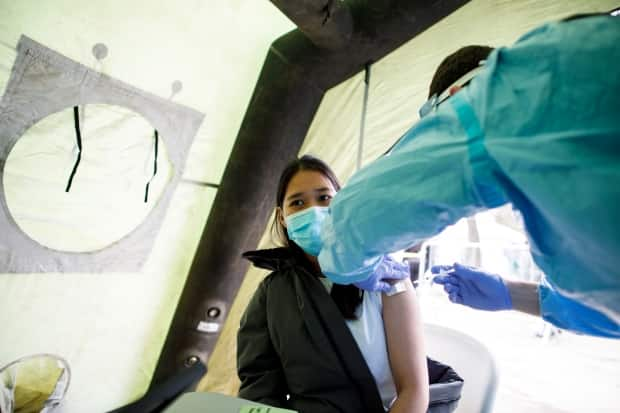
(346, 297)
(456, 65)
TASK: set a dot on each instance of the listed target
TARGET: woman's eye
(325, 197)
(296, 203)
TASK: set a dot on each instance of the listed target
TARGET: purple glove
(472, 287)
(388, 270)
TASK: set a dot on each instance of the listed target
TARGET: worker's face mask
(434, 101)
(304, 228)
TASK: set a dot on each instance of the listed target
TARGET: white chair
(471, 360)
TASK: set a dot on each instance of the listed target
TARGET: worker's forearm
(524, 296)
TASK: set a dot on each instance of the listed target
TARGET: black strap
(146, 192)
(322, 317)
(200, 183)
(78, 136)
(162, 394)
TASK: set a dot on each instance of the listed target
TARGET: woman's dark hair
(456, 65)
(346, 297)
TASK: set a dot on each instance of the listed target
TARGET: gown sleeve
(574, 316)
(423, 185)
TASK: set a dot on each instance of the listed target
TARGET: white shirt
(370, 338)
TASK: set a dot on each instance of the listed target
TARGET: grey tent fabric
(44, 82)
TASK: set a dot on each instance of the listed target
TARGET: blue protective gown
(539, 127)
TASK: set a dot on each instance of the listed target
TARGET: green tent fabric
(110, 324)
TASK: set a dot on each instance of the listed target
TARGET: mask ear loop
(435, 100)
(428, 106)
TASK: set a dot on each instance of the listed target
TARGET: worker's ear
(454, 89)
(280, 216)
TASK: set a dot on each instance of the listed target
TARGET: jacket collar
(276, 259)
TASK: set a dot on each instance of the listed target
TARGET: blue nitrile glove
(389, 269)
(474, 288)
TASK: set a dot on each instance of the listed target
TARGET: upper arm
(406, 350)
(258, 364)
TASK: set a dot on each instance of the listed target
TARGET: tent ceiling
(327, 24)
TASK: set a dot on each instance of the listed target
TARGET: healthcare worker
(538, 126)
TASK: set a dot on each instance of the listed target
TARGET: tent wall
(110, 327)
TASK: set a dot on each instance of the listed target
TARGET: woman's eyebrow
(298, 194)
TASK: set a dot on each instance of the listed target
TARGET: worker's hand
(384, 276)
(472, 287)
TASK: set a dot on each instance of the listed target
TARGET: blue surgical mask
(304, 228)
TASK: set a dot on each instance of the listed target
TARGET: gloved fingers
(436, 269)
(451, 289)
(456, 298)
(395, 270)
(466, 271)
(445, 279)
(385, 270)
(400, 271)
(382, 286)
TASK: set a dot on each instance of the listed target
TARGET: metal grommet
(213, 312)
(191, 360)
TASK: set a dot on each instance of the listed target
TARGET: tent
(139, 142)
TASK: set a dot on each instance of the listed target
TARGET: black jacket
(294, 343)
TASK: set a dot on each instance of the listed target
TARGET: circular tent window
(106, 198)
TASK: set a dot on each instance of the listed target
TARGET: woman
(311, 346)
